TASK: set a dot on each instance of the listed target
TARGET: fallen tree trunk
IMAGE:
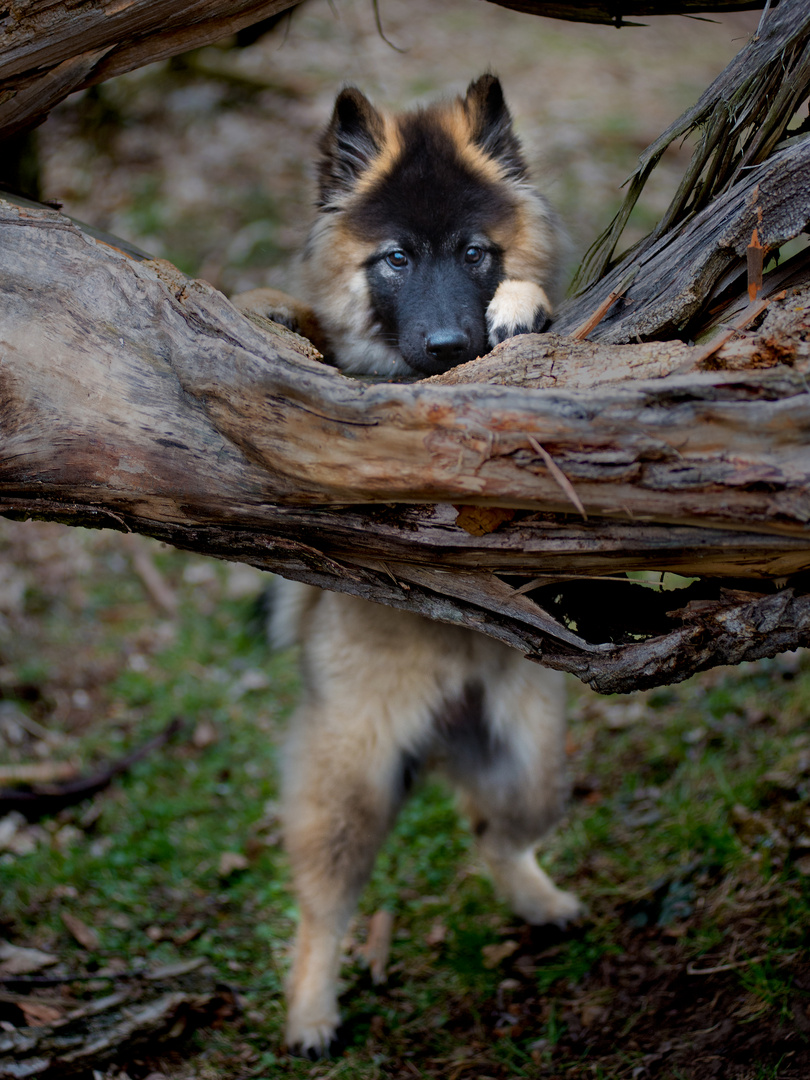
(137, 399)
(226, 408)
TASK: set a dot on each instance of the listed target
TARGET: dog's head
(420, 216)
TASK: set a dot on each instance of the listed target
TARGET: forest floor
(688, 834)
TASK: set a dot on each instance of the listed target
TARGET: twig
(558, 475)
(37, 772)
(692, 970)
(162, 595)
(380, 31)
(48, 799)
(160, 974)
(37, 730)
(378, 945)
(593, 320)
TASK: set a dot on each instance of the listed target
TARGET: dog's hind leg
(342, 788)
(513, 789)
(371, 685)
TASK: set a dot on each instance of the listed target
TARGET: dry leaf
(205, 734)
(480, 520)
(496, 954)
(17, 836)
(230, 862)
(437, 933)
(37, 1013)
(16, 960)
(591, 1014)
(84, 934)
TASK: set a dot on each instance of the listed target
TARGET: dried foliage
(743, 117)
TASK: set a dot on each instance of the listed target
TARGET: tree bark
(743, 120)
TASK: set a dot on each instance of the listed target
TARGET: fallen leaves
(38, 1013)
(495, 954)
(230, 862)
(480, 520)
(18, 960)
(85, 935)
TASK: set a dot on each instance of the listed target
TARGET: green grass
(685, 839)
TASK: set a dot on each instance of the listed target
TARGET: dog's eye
(397, 259)
(473, 255)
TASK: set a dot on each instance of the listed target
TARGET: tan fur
(335, 273)
(386, 159)
(380, 684)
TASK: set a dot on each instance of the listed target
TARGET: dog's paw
(531, 893)
(281, 308)
(557, 908)
(312, 1037)
(518, 307)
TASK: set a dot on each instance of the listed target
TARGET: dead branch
(624, 14)
(46, 797)
(742, 118)
(49, 50)
(134, 398)
(678, 273)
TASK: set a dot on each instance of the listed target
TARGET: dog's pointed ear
(352, 140)
(491, 125)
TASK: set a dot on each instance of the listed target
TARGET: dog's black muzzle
(441, 318)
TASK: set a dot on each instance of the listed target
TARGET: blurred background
(206, 159)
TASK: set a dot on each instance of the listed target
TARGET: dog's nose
(449, 347)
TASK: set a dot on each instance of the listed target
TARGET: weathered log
(192, 405)
(135, 398)
(743, 117)
(49, 50)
